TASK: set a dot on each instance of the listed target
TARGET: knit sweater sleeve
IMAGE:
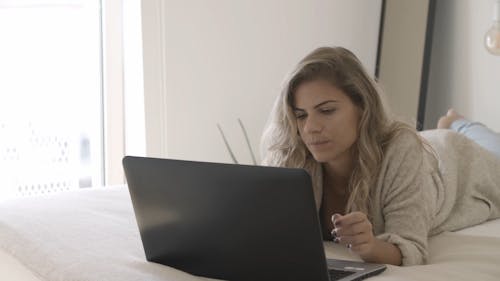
(402, 200)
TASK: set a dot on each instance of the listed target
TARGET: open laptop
(232, 222)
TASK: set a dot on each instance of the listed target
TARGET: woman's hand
(355, 231)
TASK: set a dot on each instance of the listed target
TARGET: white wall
(209, 62)
(463, 74)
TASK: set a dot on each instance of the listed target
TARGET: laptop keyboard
(338, 274)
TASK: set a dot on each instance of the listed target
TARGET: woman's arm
(383, 252)
(403, 200)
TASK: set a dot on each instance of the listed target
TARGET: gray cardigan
(418, 195)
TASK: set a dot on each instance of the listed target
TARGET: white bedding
(12, 269)
(92, 235)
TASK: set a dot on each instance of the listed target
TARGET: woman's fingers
(353, 230)
(351, 218)
(353, 239)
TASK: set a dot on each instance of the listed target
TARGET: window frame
(113, 91)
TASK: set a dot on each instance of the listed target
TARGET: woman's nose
(312, 125)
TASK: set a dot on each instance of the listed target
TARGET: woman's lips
(318, 143)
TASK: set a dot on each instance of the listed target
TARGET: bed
(91, 234)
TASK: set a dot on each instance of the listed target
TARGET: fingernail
(334, 220)
(334, 236)
(334, 217)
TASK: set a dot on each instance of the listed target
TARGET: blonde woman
(380, 187)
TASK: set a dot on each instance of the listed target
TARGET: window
(51, 121)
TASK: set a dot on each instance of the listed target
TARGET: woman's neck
(338, 173)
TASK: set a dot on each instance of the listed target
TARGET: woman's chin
(323, 157)
(320, 158)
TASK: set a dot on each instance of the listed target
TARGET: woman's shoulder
(404, 140)
(404, 151)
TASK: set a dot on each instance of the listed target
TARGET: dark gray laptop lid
(226, 221)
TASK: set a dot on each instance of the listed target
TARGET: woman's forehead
(312, 93)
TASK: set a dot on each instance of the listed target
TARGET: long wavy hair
(282, 146)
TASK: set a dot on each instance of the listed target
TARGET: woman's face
(327, 120)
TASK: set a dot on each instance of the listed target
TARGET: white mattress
(469, 254)
(92, 235)
(12, 269)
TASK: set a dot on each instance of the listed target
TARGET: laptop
(232, 222)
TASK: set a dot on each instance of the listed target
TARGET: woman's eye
(327, 110)
(300, 116)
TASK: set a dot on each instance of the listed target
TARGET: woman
(380, 187)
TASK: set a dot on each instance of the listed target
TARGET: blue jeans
(479, 133)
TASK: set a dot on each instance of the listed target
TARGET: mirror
(403, 56)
